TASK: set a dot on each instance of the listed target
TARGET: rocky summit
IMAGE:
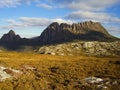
(13, 41)
(57, 33)
(10, 40)
(10, 37)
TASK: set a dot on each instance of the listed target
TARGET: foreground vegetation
(58, 72)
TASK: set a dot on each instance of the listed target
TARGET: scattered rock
(6, 73)
(101, 87)
(27, 67)
(3, 74)
(93, 80)
(100, 83)
(52, 53)
(90, 48)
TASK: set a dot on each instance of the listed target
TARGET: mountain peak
(54, 25)
(11, 32)
(87, 30)
(10, 37)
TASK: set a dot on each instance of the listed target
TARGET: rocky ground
(90, 48)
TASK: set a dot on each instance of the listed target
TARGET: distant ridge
(10, 37)
(10, 40)
(59, 33)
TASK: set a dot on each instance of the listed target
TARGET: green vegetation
(58, 72)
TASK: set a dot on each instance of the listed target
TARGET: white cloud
(59, 20)
(24, 22)
(95, 16)
(89, 5)
(29, 1)
(114, 29)
(41, 21)
(43, 5)
(92, 5)
(9, 3)
(14, 3)
(11, 21)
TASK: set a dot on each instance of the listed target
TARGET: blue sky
(30, 17)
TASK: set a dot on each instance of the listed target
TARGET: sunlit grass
(56, 72)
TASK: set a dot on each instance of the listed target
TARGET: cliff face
(56, 33)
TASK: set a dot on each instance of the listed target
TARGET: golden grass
(56, 72)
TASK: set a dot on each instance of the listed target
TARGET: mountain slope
(56, 33)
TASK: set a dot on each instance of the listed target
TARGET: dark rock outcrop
(56, 33)
(10, 37)
(13, 41)
(10, 40)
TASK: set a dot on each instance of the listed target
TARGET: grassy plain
(57, 72)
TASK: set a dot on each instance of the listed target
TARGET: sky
(29, 18)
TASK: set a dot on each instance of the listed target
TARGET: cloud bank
(23, 22)
(95, 16)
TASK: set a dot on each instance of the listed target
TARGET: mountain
(13, 41)
(10, 37)
(10, 40)
(57, 33)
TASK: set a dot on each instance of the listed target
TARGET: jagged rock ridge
(56, 33)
